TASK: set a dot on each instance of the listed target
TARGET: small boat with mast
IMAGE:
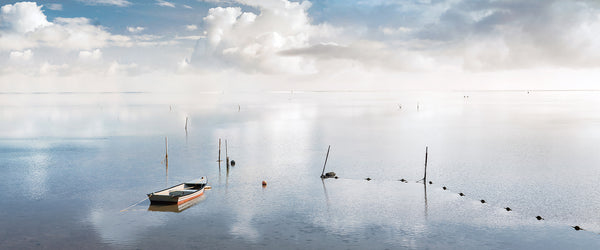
(180, 193)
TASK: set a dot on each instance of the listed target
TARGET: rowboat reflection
(177, 208)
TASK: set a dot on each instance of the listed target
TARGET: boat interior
(182, 189)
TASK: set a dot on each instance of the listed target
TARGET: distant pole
(186, 122)
(326, 157)
(425, 175)
(167, 160)
(226, 154)
(166, 148)
(219, 150)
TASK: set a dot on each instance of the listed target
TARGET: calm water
(71, 162)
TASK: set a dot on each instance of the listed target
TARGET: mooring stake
(326, 157)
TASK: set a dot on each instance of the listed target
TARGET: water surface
(71, 162)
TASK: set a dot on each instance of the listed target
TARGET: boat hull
(175, 200)
(178, 194)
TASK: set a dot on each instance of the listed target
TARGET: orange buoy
(264, 183)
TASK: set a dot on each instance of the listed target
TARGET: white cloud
(135, 29)
(165, 3)
(189, 37)
(120, 3)
(53, 69)
(116, 68)
(55, 6)
(24, 26)
(21, 55)
(394, 31)
(191, 27)
(183, 65)
(90, 55)
(367, 55)
(187, 6)
(22, 17)
(252, 42)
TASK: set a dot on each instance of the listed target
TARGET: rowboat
(176, 208)
(179, 194)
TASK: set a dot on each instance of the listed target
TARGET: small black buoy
(539, 217)
(461, 194)
(508, 209)
(368, 179)
(232, 163)
(482, 201)
(430, 182)
(335, 177)
(444, 188)
(577, 228)
(402, 180)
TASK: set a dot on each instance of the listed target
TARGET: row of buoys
(508, 209)
(578, 228)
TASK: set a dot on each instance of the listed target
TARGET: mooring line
(134, 205)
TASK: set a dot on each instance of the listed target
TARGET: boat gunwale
(179, 199)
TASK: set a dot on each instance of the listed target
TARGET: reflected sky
(76, 166)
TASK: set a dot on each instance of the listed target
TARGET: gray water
(75, 165)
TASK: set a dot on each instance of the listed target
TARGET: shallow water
(71, 162)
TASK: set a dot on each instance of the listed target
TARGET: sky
(154, 45)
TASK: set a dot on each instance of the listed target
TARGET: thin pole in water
(326, 157)
(226, 155)
(425, 174)
(219, 160)
(166, 149)
(186, 122)
(166, 161)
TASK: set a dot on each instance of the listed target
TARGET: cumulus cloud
(120, 3)
(165, 3)
(135, 29)
(252, 42)
(22, 17)
(24, 26)
(90, 55)
(21, 55)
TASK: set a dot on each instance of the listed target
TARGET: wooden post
(219, 160)
(326, 157)
(167, 160)
(425, 174)
(226, 155)
(166, 148)
(186, 122)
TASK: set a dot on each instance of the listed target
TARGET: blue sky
(388, 40)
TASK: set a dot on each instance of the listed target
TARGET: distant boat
(179, 194)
